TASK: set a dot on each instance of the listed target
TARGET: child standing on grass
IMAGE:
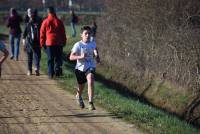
(5, 54)
(84, 52)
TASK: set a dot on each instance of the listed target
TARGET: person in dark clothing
(74, 21)
(31, 41)
(27, 18)
(93, 31)
(13, 23)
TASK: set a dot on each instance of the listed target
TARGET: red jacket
(52, 32)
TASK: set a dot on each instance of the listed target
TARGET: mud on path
(37, 105)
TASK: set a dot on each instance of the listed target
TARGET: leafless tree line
(154, 39)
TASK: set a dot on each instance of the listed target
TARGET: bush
(155, 42)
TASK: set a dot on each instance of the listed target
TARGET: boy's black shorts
(81, 76)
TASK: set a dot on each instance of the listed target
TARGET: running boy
(5, 54)
(84, 53)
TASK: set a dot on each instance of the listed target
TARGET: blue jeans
(54, 54)
(14, 47)
(36, 56)
(73, 27)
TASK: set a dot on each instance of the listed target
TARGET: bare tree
(154, 40)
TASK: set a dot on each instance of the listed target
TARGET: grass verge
(149, 119)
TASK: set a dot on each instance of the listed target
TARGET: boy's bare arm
(74, 56)
(96, 54)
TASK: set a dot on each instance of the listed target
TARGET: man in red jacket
(53, 38)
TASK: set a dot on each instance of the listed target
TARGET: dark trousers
(54, 54)
(34, 56)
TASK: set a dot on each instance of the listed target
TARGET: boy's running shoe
(91, 106)
(80, 101)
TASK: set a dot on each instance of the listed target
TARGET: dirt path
(36, 105)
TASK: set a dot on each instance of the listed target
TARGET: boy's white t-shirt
(88, 48)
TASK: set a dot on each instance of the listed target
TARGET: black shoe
(80, 101)
(91, 106)
(61, 72)
(58, 72)
(37, 73)
(51, 76)
(11, 57)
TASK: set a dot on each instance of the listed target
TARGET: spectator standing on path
(31, 41)
(74, 21)
(53, 38)
(26, 18)
(93, 30)
(13, 23)
(5, 54)
(84, 53)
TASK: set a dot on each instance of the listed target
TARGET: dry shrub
(159, 39)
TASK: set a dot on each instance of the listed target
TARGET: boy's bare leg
(79, 95)
(80, 89)
(90, 82)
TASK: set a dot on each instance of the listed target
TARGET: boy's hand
(23, 42)
(83, 55)
(96, 56)
(98, 60)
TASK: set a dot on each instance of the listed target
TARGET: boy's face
(85, 35)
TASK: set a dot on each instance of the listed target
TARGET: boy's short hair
(88, 28)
